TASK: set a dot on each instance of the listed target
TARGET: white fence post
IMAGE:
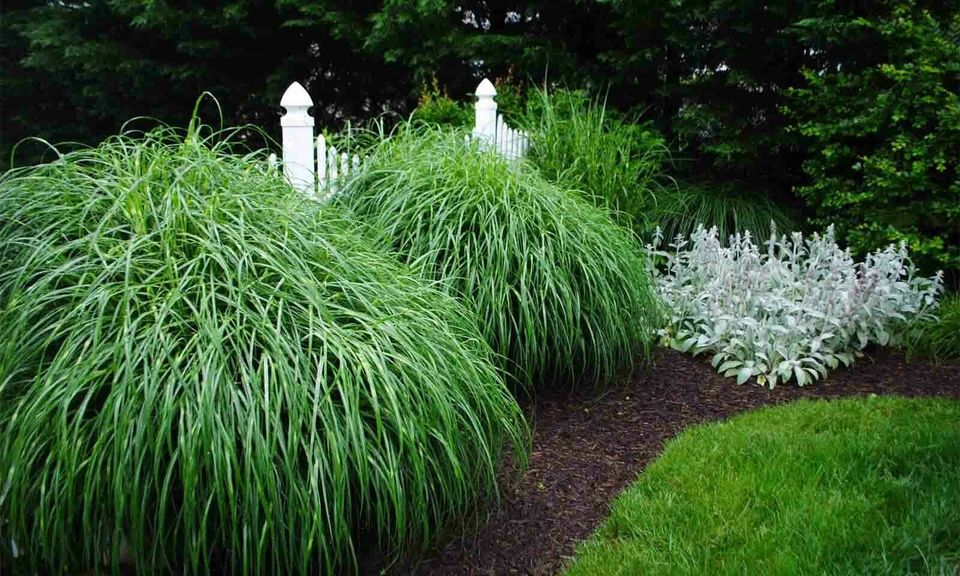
(485, 125)
(297, 128)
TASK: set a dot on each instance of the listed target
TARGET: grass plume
(623, 165)
(582, 145)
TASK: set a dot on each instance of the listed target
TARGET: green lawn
(865, 486)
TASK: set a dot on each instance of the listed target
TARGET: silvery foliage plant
(788, 310)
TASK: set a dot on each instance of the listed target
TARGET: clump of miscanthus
(622, 164)
(789, 310)
(203, 370)
(729, 208)
(562, 293)
(615, 162)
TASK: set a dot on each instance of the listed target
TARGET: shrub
(436, 107)
(938, 338)
(579, 144)
(790, 311)
(882, 131)
(857, 486)
(560, 290)
(204, 370)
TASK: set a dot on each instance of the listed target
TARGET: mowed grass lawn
(860, 486)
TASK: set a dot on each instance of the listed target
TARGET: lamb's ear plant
(790, 310)
(561, 291)
(202, 370)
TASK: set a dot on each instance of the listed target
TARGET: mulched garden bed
(587, 449)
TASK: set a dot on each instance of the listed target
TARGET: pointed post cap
(296, 96)
(486, 88)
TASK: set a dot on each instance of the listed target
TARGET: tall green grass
(731, 211)
(580, 144)
(561, 291)
(201, 370)
(621, 164)
(938, 339)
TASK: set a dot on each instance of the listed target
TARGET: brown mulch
(586, 450)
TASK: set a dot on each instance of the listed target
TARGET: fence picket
(332, 167)
(501, 134)
(321, 164)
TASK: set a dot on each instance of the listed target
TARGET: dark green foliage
(883, 130)
(561, 291)
(858, 486)
(853, 105)
(202, 370)
(711, 73)
(459, 41)
(78, 70)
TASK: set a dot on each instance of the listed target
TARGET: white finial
(486, 88)
(295, 96)
(296, 101)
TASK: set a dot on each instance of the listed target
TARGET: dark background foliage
(847, 110)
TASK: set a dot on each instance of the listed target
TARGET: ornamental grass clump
(937, 337)
(729, 209)
(789, 311)
(622, 165)
(202, 370)
(581, 144)
(561, 291)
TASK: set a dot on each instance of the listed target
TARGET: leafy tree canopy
(845, 108)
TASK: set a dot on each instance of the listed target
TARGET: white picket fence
(315, 168)
(491, 130)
